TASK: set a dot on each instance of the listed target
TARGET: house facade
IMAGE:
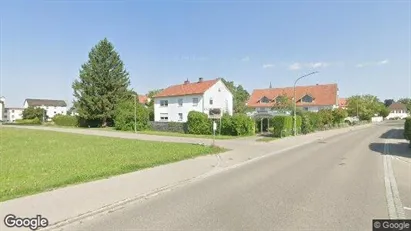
(12, 114)
(52, 107)
(397, 110)
(2, 106)
(309, 98)
(175, 102)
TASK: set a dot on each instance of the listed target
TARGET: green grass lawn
(34, 161)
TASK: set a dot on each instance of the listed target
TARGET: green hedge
(65, 120)
(242, 125)
(407, 129)
(198, 123)
(34, 121)
(126, 118)
(281, 125)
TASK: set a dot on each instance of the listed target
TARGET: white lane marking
(406, 208)
(395, 208)
(403, 161)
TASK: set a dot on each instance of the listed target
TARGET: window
(12, 111)
(164, 103)
(307, 99)
(211, 101)
(180, 102)
(306, 108)
(55, 112)
(12, 116)
(264, 100)
(163, 117)
(195, 102)
(180, 116)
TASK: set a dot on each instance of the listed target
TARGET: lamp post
(135, 113)
(295, 102)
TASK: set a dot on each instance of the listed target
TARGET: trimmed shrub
(65, 120)
(34, 121)
(242, 125)
(226, 125)
(124, 117)
(407, 129)
(198, 123)
(306, 124)
(281, 125)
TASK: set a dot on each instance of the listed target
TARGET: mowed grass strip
(35, 161)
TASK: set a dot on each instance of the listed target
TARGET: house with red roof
(208, 96)
(309, 98)
(397, 111)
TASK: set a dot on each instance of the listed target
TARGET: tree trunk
(104, 122)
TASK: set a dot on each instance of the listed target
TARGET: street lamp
(295, 102)
(135, 113)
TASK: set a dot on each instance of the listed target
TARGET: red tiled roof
(342, 102)
(187, 88)
(397, 106)
(323, 95)
(142, 99)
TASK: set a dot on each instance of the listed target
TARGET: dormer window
(307, 99)
(264, 100)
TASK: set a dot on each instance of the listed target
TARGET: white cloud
(295, 66)
(317, 65)
(385, 61)
(382, 62)
(265, 66)
(245, 59)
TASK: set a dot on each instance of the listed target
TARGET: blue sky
(364, 46)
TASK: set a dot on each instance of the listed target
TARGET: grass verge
(160, 133)
(34, 161)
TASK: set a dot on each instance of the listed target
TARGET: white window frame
(180, 102)
(164, 117)
(180, 116)
(211, 101)
(164, 103)
(195, 104)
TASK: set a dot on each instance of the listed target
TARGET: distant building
(2, 106)
(12, 114)
(397, 110)
(175, 102)
(143, 99)
(52, 107)
(342, 103)
(309, 98)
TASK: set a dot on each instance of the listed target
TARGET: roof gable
(45, 102)
(325, 94)
(196, 88)
(397, 106)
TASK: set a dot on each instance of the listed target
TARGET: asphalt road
(334, 184)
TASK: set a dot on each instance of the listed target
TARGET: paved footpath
(68, 204)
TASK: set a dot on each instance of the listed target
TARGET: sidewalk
(75, 202)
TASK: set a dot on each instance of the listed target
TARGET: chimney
(186, 82)
(200, 79)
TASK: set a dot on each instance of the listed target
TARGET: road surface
(333, 184)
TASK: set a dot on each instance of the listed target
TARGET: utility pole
(295, 102)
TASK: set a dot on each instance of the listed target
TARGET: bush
(65, 120)
(34, 121)
(282, 125)
(242, 125)
(34, 112)
(307, 125)
(198, 123)
(125, 117)
(339, 115)
(168, 126)
(326, 116)
(227, 127)
(407, 129)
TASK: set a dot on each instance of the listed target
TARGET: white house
(12, 114)
(175, 102)
(309, 98)
(52, 107)
(397, 110)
